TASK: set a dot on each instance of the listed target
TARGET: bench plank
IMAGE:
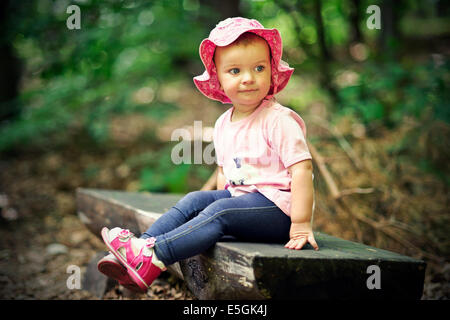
(240, 270)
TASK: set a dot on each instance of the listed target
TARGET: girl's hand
(300, 234)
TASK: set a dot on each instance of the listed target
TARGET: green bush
(387, 92)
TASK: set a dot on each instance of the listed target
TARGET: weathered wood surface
(238, 270)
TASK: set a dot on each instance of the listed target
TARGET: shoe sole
(118, 273)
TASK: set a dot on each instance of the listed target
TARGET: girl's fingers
(292, 244)
(313, 242)
(297, 244)
(287, 245)
(300, 243)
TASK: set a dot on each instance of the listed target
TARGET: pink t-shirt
(256, 151)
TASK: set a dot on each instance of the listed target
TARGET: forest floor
(41, 236)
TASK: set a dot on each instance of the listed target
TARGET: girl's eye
(259, 68)
(234, 71)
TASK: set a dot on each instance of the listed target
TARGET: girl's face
(244, 73)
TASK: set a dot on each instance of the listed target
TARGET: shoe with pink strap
(136, 255)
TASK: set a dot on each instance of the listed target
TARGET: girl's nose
(247, 78)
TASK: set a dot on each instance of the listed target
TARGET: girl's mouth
(248, 90)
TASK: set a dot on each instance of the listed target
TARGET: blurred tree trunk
(389, 35)
(224, 9)
(442, 8)
(325, 54)
(293, 10)
(227, 9)
(10, 69)
(325, 57)
(355, 19)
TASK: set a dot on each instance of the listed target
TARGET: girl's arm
(302, 190)
(221, 181)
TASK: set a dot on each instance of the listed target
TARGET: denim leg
(250, 217)
(185, 209)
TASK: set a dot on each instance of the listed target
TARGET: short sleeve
(289, 141)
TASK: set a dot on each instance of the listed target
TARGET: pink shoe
(112, 268)
(141, 267)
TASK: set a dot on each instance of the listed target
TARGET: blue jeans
(201, 218)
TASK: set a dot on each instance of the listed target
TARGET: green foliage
(160, 174)
(386, 93)
(81, 78)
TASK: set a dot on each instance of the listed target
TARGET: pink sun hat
(224, 34)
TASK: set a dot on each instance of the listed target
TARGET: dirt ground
(37, 256)
(41, 236)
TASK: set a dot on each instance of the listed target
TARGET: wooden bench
(238, 270)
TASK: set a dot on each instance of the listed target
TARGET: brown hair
(245, 39)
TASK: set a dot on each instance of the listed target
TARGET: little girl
(264, 182)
